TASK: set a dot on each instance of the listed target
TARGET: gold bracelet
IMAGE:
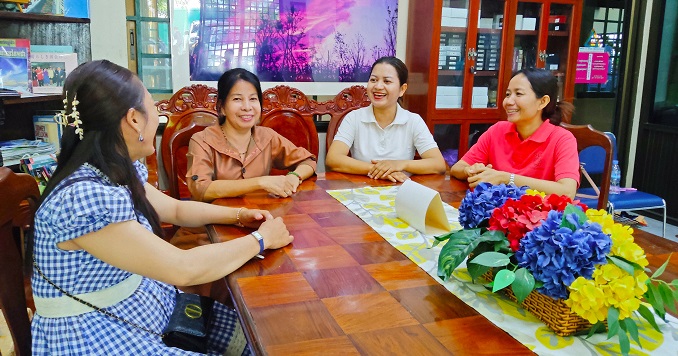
(295, 174)
(237, 216)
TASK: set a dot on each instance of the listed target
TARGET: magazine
(22, 43)
(14, 64)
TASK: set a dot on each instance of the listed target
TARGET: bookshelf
(16, 113)
(461, 55)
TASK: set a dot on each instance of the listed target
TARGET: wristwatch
(512, 178)
(259, 238)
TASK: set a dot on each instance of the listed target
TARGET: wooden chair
(191, 106)
(15, 189)
(178, 165)
(346, 101)
(290, 113)
(587, 136)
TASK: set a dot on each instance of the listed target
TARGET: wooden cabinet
(461, 55)
(16, 114)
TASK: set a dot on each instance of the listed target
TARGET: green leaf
(457, 248)
(674, 283)
(523, 285)
(476, 270)
(612, 322)
(460, 245)
(624, 343)
(628, 267)
(595, 328)
(649, 316)
(503, 279)
(502, 246)
(630, 326)
(446, 236)
(492, 259)
(661, 269)
(572, 209)
(667, 296)
(655, 299)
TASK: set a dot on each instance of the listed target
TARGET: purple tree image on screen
(293, 41)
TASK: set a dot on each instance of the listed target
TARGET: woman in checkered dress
(97, 231)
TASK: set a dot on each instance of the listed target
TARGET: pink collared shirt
(549, 154)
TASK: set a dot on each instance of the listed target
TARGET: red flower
(518, 217)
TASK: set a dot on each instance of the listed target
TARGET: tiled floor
(655, 227)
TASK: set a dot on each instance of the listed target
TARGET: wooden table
(339, 288)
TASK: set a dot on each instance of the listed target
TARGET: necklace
(241, 154)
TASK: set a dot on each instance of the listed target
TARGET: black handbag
(187, 327)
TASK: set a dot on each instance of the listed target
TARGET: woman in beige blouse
(236, 157)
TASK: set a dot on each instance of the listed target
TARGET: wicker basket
(554, 313)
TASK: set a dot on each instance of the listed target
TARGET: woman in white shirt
(383, 137)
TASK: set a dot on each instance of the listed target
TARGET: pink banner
(592, 65)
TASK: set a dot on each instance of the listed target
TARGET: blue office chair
(592, 159)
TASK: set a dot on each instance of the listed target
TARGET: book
(41, 167)
(14, 74)
(19, 42)
(14, 150)
(70, 8)
(47, 130)
(51, 70)
(51, 48)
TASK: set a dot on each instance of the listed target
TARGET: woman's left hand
(488, 175)
(381, 169)
(252, 218)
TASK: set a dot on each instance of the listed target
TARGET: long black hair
(226, 83)
(544, 83)
(105, 93)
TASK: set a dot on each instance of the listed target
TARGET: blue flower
(556, 255)
(478, 204)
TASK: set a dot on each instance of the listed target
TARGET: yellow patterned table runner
(376, 206)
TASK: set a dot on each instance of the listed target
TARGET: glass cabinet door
(555, 55)
(452, 54)
(487, 54)
(526, 47)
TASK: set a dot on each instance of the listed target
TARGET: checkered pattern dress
(80, 208)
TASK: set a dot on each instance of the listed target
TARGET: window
(608, 23)
(149, 38)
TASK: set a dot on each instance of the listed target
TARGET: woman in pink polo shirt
(530, 148)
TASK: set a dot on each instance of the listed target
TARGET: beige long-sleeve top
(211, 158)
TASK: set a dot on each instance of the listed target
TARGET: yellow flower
(621, 236)
(587, 300)
(535, 192)
(610, 286)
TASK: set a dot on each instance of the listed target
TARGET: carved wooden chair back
(14, 190)
(178, 165)
(195, 104)
(290, 112)
(346, 101)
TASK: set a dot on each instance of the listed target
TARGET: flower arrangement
(557, 247)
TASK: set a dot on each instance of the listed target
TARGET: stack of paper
(13, 151)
